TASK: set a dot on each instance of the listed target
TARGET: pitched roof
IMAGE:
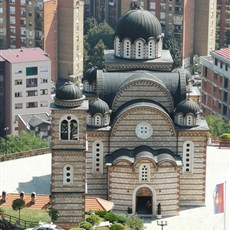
(224, 52)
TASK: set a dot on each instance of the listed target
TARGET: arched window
(69, 128)
(97, 120)
(139, 49)
(117, 47)
(180, 119)
(151, 49)
(188, 154)
(88, 119)
(68, 175)
(97, 166)
(189, 120)
(106, 119)
(127, 49)
(144, 173)
(86, 86)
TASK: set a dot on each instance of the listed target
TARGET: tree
(17, 205)
(175, 50)
(217, 126)
(53, 213)
(97, 38)
(196, 64)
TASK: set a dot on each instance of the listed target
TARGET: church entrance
(144, 201)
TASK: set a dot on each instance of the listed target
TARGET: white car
(46, 226)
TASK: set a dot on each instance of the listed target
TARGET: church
(131, 135)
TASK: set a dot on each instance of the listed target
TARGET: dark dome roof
(90, 75)
(138, 24)
(187, 74)
(68, 91)
(98, 106)
(187, 106)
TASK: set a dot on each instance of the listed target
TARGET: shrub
(75, 228)
(93, 219)
(225, 137)
(135, 223)
(86, 225)
(129, 210)
(101, 213)
(159, 209)
(121, 218)
(111, 217)
(117, 227)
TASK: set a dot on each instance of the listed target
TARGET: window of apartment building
(12, 1)
(225, 110)
(1, 30)
(12, 20)
(18, 94)
(152, 5)
(44, 104)
(214, 88)
(225, 83)
(31, 93)
(216, 61)
(12, 41)
(32, 104)
(23, 2)
(23, 12)
(215, 76)
(31, 71)
(1, 20)
(23, 31)
(18, 71)
(221, 64)
(1, 10)
(205, 71)
(12, 10)
(18, 82)
(43, 91)
(30, 33)
(30, 13)
(225, 96)
(43, 68)
(163, 8)
(33, 82)
(18, 106)
(12, 30)
(226, 67)
(162, 15)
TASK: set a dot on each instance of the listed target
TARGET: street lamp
(5, 130)
(162, 224)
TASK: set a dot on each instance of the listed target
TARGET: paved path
(203, 218)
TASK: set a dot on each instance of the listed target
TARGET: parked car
(46, 226)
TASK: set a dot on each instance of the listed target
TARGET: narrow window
(188, 153)
(69, 128)
(144, 173)
(97, 166)
(68, 175)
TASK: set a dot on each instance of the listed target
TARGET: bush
(129, 210)
(111, 217)
(101, 213)
(225, 137)
(93, 219)
(77, 228)
(121, 218)
(135, 223)
(117, 227)
(86, 225)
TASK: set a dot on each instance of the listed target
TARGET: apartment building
(216, 83)
(46, 24)
(25, 78)
(190, 22)
(223, 23)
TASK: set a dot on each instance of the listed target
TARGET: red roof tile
(224, 52)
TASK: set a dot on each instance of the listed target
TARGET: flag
(219, 198)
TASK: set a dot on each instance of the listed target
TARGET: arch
(68, 174)
(151, 49)
(139, 45)
(117, 46)
(179, 119)
(153, 198)
(97, 120)
(189, 118)
(127, 48)
(88, 119)
(188, 155)
(86, 86)
(69, 128)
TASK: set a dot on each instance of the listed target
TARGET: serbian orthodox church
(131, 135)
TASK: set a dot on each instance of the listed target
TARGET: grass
(27, 214)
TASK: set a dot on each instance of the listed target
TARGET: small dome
(68, 95)
(90, 75)
(98, 106)
(68, 91)
(188, 106)
(138, 24)
(187, 74)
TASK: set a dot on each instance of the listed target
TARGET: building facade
(26, 85)
(130, 135)
(43, 23)
(223, 23)
(216, 83)
(192, 23)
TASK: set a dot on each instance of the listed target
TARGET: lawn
(28, 214)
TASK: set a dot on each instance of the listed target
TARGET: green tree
(23, 142)
(17, 205)
(217, 126)
(172, 45)
(53, 213)
(97, 38)
(196, 64)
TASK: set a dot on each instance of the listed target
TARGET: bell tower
(69, 146)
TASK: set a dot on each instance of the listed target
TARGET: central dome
(138, 24)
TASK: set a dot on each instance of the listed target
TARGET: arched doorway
(144, 201)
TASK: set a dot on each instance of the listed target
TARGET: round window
(144, 130)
